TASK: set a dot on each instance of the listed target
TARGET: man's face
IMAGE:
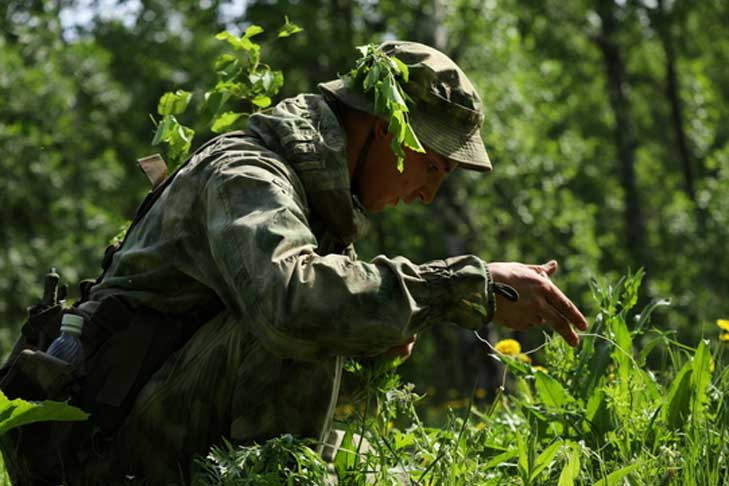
(379, 183)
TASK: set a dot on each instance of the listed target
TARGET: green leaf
(373, 75)
(678, 400)
(523, 460)
(545, 459)
(393, 94)
(17, 412)
(238, 43)
(411, 140)
(261, 101)
(644, 317)
(630, 290)
(224, 121)
(215, 101)
(174, 103)
(700, 378)
(252, 31)
(551, 392)
(501, 458)
(178, 137)
(597, 364)
(572, 469)
(402, 68)
(289, 29)
(646, 349)
(223, 62)
(266, 81)
(598, 413)
(163, 129)
(616, 477)
(346, 458)
(516, 366)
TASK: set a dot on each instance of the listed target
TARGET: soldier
(243, 270)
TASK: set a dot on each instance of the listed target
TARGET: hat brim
(466, 150)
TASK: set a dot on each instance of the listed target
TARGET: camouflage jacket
(263, 220)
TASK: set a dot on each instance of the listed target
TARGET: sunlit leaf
(678, 401)
(261, 101)
(545, 459)
(17, 412)
(174, 103)
(238, 43)
(700, 378)
(550, 391)
(571, 470)
(252, 31)
(224, 121)
(402, 68)
(615, 478)
(288, 29)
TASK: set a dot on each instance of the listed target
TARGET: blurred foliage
(604, 121)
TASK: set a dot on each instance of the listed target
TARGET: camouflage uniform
(262, 221)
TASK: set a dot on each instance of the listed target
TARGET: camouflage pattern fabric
(239, 223)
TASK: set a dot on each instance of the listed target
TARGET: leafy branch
(244, 85)
(381, 73)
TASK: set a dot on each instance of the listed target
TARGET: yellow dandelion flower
(723, 323)
(524, 358)
(509, 347)
(724, 337)
(540, 368)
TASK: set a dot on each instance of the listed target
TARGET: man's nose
(428, 191)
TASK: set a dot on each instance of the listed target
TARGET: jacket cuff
(461, 291)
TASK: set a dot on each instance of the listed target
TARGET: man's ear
(380, 127)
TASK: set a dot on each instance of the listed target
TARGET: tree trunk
(662, 25)
(624, 131)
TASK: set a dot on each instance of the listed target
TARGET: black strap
(506, 291)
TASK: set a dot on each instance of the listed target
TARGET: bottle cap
(72, 323)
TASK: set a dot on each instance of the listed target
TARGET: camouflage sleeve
(305, 306)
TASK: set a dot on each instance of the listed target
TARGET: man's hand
(540, 300)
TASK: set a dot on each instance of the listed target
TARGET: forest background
(606, 122)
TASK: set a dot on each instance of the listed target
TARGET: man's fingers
(565, 307)
(550, 267)
(560, 324)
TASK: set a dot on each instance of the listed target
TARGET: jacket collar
(307, 134)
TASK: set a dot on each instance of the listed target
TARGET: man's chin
(374, 207)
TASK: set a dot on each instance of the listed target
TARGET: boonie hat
(446, 113)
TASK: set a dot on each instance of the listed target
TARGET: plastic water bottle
(67, 346)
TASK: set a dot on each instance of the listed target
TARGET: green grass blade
(572, 469)
(615, 478)
(700, 379)
(545, 459)
(678, 399)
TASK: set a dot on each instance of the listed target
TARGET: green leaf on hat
(378, 72)
(402, 68)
